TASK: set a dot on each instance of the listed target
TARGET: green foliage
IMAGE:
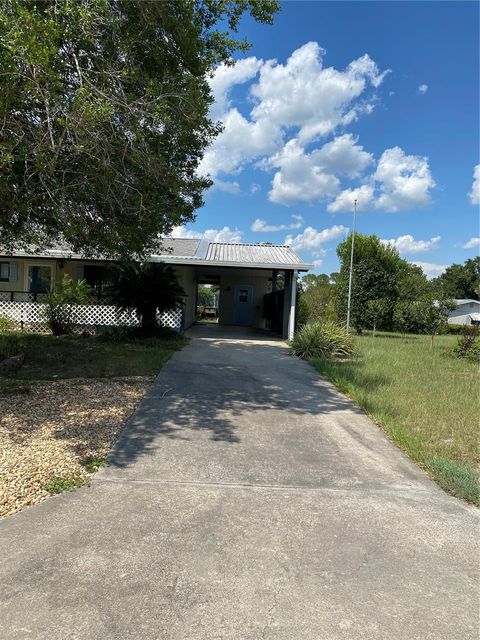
(423, 316)
(134, 334)
(7, 325)
(60, 309)
(93, 464)
(459, 479)
(322, 340)
(459, 281)
(104, 111)
(147, 287)
(314, 298)
(50, 358)
(377, 313)
(205, 295)
(58, 484)
(453, 329)
(375, 272)
(10, 345)
(468, 345)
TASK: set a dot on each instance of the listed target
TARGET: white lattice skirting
(31, 315)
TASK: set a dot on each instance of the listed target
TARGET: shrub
(10, 345)
(61, 303)
(468, 345)
(7, 325)
(148, 288)
(453, 329)
(131, 334)
(322, 340)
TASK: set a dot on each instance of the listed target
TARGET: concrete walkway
(246, 499)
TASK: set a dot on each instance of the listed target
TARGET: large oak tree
(104, 116)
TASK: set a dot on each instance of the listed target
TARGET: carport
(257, 281)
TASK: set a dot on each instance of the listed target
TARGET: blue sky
(336, 100)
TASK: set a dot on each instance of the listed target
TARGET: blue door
(243, 304)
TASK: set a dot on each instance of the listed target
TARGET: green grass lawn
(426, 400)
(52, 358)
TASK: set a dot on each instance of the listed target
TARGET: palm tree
(148, 287)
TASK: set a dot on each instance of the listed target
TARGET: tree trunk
(149, 320)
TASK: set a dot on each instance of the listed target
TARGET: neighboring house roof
(475, 317)
(197, 251)
(461, 301)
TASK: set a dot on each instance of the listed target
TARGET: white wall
(460, 315)
(187, 279)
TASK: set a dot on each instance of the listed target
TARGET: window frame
(7, 279)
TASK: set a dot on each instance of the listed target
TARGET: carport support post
(289, 304)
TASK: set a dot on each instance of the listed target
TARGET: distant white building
(467, 312)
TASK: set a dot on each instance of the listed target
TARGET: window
(4, 271)
(99, 278)
(39, 278)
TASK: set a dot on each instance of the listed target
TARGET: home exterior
(466, 312)
(248, 276)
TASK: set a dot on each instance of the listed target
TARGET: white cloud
(343, 156)
(311, 239)
(227, 76)
(475, 192)
(261, 226)
(228, 187)
(214, 235)
(182, 232)
(223, 235)
(430, 269)
(255, 188)
(300, 179)
(317, 263)
(303, 93)
(240, 142)
(423, 88)
(399, 183)
(344, 201)
(405, 181)
(472, 243)
(408, 244)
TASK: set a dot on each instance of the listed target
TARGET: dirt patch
(46, 432)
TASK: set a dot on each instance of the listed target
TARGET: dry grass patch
(48, 429)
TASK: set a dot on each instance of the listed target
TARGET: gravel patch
(46, 432)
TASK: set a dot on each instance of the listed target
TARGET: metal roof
(247, 253)
(194, 251)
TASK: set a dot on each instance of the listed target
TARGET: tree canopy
(104, 110)
(381, 280)
(460, 280)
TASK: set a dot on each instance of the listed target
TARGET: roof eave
(224, 263)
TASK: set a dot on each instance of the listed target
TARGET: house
(248, 276)
(466, 312)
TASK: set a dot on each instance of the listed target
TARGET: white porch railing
(87, 317)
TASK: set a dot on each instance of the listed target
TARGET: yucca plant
(323, 340)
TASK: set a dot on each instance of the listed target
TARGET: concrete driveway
(246, 499)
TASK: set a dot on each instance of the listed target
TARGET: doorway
(207, 302)
(243, 304)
